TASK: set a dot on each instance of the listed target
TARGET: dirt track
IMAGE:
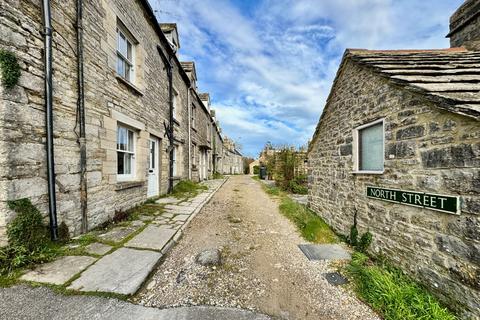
(262, 269)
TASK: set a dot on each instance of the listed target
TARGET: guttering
(82, 141)
(52, 201)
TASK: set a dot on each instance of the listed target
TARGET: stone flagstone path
(124, 270)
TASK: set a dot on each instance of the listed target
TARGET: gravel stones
(259, 271)
(209, 257)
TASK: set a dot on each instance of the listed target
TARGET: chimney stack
(465, 26)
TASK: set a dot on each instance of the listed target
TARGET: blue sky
(269, 64)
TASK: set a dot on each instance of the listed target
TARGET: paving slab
(59, 271)
(23, 302)
(181, 217)
(122, 272)
(98, 248)
(167, 200)
(177, 211)
(152, 237)
(324, 252)
(118, 233)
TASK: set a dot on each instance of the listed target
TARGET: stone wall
(465, 26)
(108, 102)
(200, 140)
(426, 149)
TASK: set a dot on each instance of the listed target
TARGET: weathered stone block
(401, 149)
(458, 156)
(410, 132)
(346, 150)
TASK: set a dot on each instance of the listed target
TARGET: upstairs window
(194, 115)
(369, 141)
(176, 105)
(125, 54)
(125, 153)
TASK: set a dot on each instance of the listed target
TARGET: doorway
(153, 174)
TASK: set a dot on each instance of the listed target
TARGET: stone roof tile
(450, 76)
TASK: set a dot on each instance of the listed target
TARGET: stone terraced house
(397, 149)
(144, 128)
(232, 158)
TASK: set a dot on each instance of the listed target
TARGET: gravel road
(262, 268)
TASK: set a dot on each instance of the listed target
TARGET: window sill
(130, 85)
(369, 172)
(123, 185)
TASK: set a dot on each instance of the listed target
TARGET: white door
(152, 190)
(203, 165)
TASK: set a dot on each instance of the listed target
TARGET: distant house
(252, 165)
(397, 149)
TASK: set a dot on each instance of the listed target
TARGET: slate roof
(448, 77)
(187, 65)
(204, 96)
(167, 27)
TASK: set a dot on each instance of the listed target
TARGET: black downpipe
(82, 141)
(171, 124)
(52, 201)
(169, 129)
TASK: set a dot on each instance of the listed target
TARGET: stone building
(218, 147)
(232, 158)
(397, 149)
(127, 56)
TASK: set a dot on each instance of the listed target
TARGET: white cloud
(269, 70)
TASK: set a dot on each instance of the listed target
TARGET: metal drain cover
(335, 278)
(324, 252)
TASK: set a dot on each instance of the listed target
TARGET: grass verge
(311, 226)
(187, 189)
(393, 294)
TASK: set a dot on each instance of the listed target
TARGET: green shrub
(311, 226)
(63, 232)
(27, 228)
(218, 175)
(9, 68)
(28, 241)
(353, 237)
(256, 170)
(187, 188)
(296, 188)
(364, 242)
(391, 293)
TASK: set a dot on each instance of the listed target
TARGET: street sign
(450, 204)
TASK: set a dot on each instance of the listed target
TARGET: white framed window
(194, 115)
(174, 160)
(125, 153)
(176, 105)
(369, 148)
(125, 55)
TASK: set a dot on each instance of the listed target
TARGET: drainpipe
(82, 141)
(169, 130)
(52, 201)
(171, 124)
(189, 134)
